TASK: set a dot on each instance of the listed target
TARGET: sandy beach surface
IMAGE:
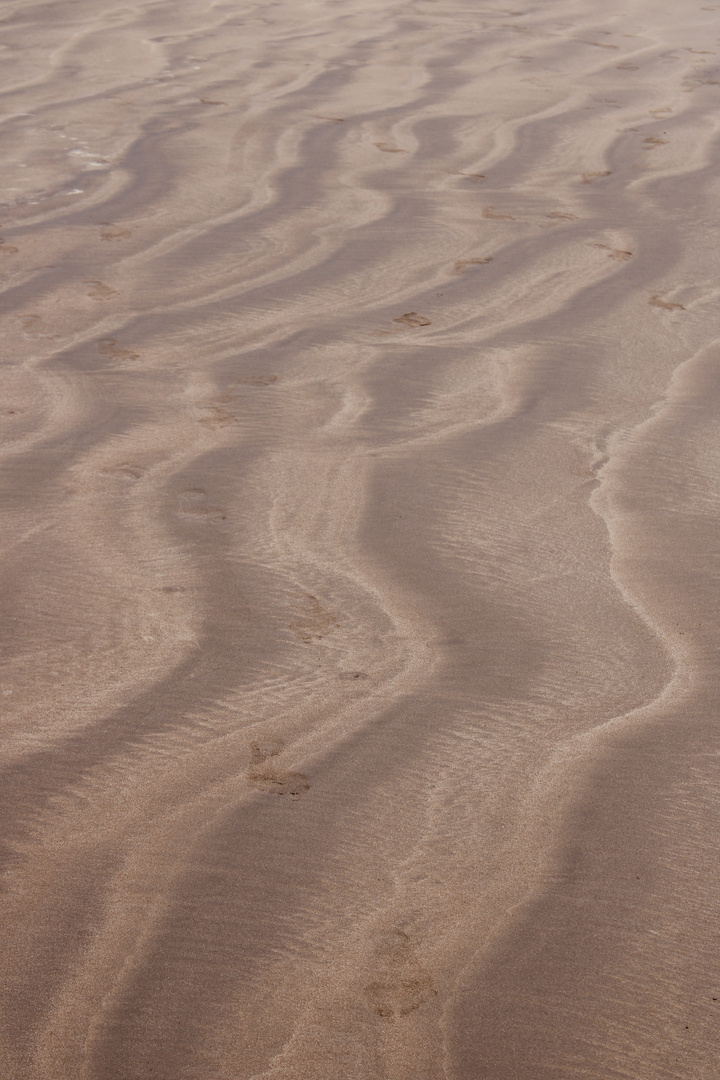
(360, 455)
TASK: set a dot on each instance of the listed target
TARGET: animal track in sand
(260, 752)
(36, 328)
(128, 469)
(314, 621)
(399, 997)
(411, 318)
(193, 505)
(474, 178)
(561, 215)
(108, 347)
(256, 380)
(111, 231)
(265, 774)
(600, 44)
(387, 149)
(403, 985)
(493, 215)
(614, 253)
(462, 264)
(100, 291)
(7, 249)
(588, 177)
(651, 142)
(215, 417)
(667, 305)
(330, 119)
(348, 676)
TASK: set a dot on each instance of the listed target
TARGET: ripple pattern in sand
(360, 456)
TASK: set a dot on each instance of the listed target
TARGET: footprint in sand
(651, 142)
(411, 318)
(108, 347)
(100, 291)
(265, 774)
(193, 504)
(349, 676)
(110, 231)
(387, 149)
(462, 264)
(666, 305)
(314, 622)
(474, 178)
(7, 249)
(402, 984)
(561, 215)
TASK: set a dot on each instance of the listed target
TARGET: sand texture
(360, 457)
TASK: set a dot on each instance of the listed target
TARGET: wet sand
(361, 470)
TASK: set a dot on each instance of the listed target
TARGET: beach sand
(360, 404)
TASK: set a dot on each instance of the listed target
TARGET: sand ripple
(360, 454)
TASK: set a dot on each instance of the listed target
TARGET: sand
(360, 404)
